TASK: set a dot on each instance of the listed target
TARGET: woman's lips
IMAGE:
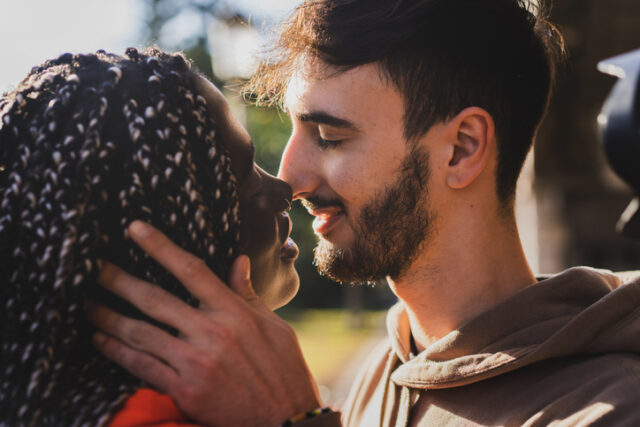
(289, 250)
(326, 219)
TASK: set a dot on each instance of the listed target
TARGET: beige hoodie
(565, 351)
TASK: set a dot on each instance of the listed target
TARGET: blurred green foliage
(270, 129)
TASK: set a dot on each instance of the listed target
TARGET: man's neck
(462, 272)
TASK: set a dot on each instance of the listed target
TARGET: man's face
(348, 160)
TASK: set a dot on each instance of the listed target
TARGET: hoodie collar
(574, 311)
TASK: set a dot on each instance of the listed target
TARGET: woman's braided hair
(89, 143)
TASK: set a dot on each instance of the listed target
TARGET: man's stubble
(389, 231)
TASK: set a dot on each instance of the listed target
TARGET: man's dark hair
(442, 55)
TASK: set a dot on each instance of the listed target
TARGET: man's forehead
(318, 81)
(309, 72)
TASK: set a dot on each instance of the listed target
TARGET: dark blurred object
(619, 123)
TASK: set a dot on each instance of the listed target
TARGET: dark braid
(89, 143)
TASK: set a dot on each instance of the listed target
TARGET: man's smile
(327, 213)
(326, 219)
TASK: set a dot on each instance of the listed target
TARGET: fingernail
(139, 228)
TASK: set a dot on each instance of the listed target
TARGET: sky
(32, 31)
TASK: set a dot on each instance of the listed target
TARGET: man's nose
(299, 165)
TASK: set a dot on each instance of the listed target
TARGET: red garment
(149, 408)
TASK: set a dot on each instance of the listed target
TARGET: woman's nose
(281, 193)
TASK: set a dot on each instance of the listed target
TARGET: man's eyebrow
(326, 119)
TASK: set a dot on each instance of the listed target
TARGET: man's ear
(472, 142)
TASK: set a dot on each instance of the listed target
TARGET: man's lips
(326, 218)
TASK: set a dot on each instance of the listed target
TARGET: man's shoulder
(366, 382)
(373, 366)
(577, 390)
(601, 390)
(583, 389)
(616, 374)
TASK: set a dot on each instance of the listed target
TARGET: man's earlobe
(471, 147)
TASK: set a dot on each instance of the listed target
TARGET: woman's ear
(472, 143)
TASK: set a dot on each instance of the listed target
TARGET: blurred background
(569, 200)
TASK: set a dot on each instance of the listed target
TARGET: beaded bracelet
(304, 416)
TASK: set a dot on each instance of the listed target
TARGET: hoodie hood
(579, 311)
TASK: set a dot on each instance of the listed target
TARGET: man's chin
(339, 264)
(338, 238)
(331, 260)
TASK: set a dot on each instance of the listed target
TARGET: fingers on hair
(88, 143)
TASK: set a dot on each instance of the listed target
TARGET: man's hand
(235, 363)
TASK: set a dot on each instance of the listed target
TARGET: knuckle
(136, 334)
(116, 352)
(194, 267)
(154, 298)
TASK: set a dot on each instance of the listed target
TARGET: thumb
(240, 279)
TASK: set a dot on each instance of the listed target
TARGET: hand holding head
(232, 350)
(90, 143)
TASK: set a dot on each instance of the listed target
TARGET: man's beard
(389, 231)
